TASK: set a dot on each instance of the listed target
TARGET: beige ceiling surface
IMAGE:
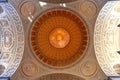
(35, 67)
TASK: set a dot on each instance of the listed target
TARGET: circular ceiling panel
(59, 37)
(60, 76)
(27, 8)
(58, 1)
(11, 40)
(107, 38)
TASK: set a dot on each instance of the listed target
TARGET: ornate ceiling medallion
(27, 9)
(58, 1)
(107, 38)
(11, 40)
(59, 37)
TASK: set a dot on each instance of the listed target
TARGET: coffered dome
(59, 37)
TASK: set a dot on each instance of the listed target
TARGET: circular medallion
(58, 1)
(29, 68)
(88, 8)
(89, 68)
(59, 37)
(27, 9)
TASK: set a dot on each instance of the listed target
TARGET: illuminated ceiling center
(59, 38)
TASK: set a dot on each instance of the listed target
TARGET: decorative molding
(29, 68)
(106, 37)
(27, 9)
(89, 8)
(89, 68)
(11, 39)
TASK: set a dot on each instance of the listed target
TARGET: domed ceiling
(58, 39)
(107, 38)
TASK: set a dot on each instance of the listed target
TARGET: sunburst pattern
(71, 30)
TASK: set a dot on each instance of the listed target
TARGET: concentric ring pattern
(58, 1)
(59, 37)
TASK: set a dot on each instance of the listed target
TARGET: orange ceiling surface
(59, 38)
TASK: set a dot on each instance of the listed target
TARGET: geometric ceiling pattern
(107, 38)
(58, 38)
(11, 40)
